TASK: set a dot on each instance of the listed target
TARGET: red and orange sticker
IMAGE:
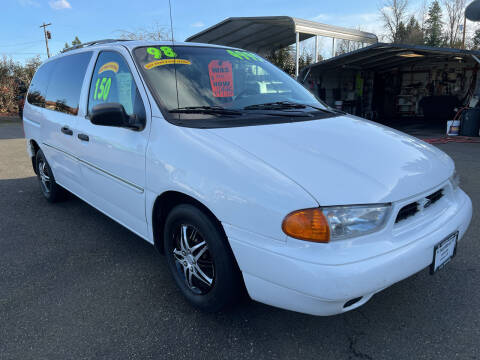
(221, 78)
(156, 63)
(112, 66)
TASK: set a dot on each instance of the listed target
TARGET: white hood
(346, 160)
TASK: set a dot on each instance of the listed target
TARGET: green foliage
(476, 40)
(14, 81)
(75, 41)
(411, 33)
(434, 25)
(401, 33)
(414, 32)
(285, 59)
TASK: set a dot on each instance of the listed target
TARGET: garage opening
(416, 89)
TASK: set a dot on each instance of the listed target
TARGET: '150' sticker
(102, 88)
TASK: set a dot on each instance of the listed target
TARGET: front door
(112, 158)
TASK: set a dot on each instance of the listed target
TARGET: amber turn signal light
(307, 224)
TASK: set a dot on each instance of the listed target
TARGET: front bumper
(286, 275)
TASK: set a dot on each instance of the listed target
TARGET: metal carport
(383, 56)
(267, 33)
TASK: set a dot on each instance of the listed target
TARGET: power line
(20, 53)
(19, 44)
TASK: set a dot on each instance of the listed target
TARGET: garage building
(404, 86)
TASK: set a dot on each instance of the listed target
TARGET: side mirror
(113, 114)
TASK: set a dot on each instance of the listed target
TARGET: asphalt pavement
(76, 285)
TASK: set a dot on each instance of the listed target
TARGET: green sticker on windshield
(157, 52)
(244, 55)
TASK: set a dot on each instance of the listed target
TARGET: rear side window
(65, 83)
(38, 87)
(112, 82)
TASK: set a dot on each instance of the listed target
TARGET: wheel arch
(162, 206)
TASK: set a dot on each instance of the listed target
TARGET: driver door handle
(66, 131)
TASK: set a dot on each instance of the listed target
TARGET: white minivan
(240, 176)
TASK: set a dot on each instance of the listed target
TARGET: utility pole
(464, 29)
(47, 36)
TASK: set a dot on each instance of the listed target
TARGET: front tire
(50, 189)
(200, 259)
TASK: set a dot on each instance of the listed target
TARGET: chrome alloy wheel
(44, 176)
(193, 259)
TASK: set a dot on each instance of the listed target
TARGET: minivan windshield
(221, 82)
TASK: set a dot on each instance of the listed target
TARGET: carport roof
(382, 56)
(272, 32)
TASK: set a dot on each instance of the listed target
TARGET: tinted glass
(66, 80)
(39, 84)
(112, 82)
(208, 76)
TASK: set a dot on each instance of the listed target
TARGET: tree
(411, 33)
(414, 33)
(455, 15)
(401, 36)
(345, 46)
(14, 81)
(155, 32)
(305, 59)
(476, 40)
(434, 25)
(75, 42)
(284, 59)
(394, 14)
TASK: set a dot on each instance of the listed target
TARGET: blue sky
(21, 37)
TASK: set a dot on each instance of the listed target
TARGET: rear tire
(200, 259)
(50, 189)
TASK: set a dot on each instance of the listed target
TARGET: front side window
(112, 82)
(198, 82)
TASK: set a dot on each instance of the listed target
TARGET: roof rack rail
(90, 43)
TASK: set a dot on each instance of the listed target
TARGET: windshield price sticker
(244, 55)
(156, 63)
(157, 52)
(109, 66)
(221, 78)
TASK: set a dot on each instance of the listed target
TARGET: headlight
(351, 221)
(455, 180)
(335, 222)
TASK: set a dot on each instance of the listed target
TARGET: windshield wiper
(211, 110)
(282, 105)
(218, 110)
